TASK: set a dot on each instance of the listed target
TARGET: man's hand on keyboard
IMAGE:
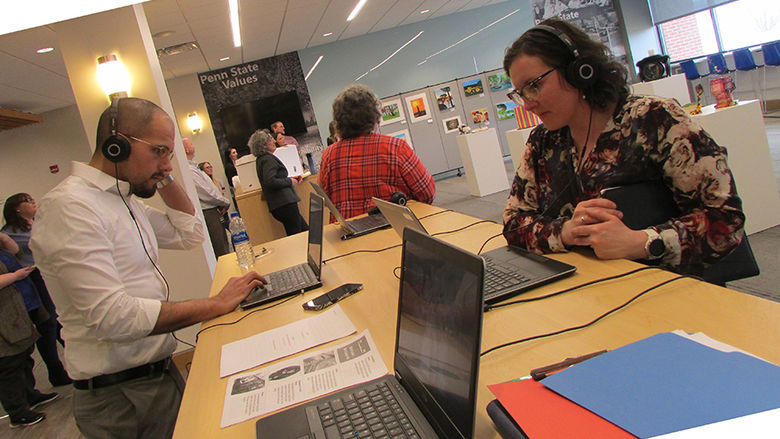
(237, 288)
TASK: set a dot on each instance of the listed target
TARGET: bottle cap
(233, 214)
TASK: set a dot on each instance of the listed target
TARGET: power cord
(245, 316)
(584, 325)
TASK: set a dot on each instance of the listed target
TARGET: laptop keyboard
(290, 278)
(500, 276)
(368, 222)
(371, 412)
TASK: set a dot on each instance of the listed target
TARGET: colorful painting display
(480, 116)
(526, 119)
(506, 110)
(417, 105)
(391, 112)
(403, 135)
(473, 87)
(499, 81)
(452, 124)
(444, 98)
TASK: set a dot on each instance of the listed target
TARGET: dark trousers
(291, 218)
(50, 333)
(17, 383)
(216, 231)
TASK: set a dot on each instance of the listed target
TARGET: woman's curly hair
(356, 111)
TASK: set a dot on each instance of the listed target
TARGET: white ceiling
(37, 83)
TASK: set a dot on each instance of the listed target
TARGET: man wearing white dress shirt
(213, 203)
(96, 244)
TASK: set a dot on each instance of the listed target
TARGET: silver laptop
(433, 392)
(355, 227)
(510, 271)
(298, 278)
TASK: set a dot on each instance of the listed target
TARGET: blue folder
(666, 383)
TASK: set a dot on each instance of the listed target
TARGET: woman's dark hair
(12, 217)
(611, 84)
(356, 111)
(228, 160)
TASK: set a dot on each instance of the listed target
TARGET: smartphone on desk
(332, 297)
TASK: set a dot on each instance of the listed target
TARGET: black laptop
(354, 227)
(433, 392)
(510, 271)
(301, 277)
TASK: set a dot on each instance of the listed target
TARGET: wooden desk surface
(744, 321)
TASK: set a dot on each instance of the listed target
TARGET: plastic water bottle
(244, 252)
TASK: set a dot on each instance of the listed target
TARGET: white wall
(27, 152)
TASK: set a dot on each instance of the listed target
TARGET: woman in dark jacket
(277, 186)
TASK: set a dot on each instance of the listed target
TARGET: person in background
(278, 128)
(365, 164)
(279, 139)
(18, 395)
(212, 202)
(209, 170)
(231, 155)
(19, 213)
(334, 137)
(97, 246)
(277, 186)
(596, 135)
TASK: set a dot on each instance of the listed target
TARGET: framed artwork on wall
(506, 110)
(452, 124)
(444, 98)
(418, 108)
(473, 87)
(499, 81)
(480, 116)
(403, 135)
(390, 112)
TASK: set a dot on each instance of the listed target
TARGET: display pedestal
(740, 129)
(516, 140)
(483, 162)
(674, 86)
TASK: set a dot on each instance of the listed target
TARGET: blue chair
(717, 64)
(771, 53)
(744, 62)
(692, 74)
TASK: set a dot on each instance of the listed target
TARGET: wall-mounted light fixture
(194, 122)
(113, 77)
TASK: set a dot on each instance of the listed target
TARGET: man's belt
(150, 370)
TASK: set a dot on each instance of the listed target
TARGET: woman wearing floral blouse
(595, 135)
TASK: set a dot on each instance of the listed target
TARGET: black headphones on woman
(115, 148)
(581, 72)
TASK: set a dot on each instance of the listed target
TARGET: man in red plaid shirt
(365, 164)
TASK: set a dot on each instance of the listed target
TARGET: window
(741, 23)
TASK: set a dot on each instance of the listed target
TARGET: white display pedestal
(516, 140)
(675, 86)
(741, 130)
(483, 162)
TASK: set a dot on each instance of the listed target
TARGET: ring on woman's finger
(582, 219)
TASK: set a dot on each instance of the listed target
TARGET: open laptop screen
(315, 233)
(439, 330)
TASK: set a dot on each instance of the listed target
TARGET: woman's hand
(598, 224)
(22, 273)
(296, 180)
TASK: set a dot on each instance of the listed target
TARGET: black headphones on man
(115, 148)
(582, 71)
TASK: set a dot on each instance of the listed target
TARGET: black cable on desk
(584, 325)
(435, 213)
(462, 228)
(245, 316)
(558, 293)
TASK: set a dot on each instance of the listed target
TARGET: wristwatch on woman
(654, 246)
(165, 181)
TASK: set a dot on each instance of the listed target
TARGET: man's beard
(145, 192)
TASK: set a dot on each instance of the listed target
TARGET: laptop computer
(510, 271)
(436, 364)
(357, 226)
(298, 278)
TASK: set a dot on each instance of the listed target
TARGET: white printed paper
(284, 340)
(306, 377)
(291, 160)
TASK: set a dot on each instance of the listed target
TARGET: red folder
(543, 413)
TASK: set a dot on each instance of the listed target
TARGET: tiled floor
(451, 193)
